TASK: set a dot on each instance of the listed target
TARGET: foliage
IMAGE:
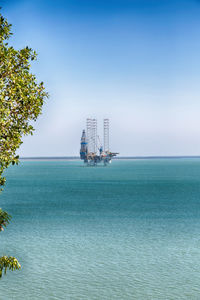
(21, 101)
(4, 219)
(10, 263)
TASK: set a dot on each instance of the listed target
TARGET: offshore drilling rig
(92, 151)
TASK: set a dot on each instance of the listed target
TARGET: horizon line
(119, 157)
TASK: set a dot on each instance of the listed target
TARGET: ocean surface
(127, 231)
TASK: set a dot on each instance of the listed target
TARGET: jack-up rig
(92, 151)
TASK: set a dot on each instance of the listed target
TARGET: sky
(136, 62)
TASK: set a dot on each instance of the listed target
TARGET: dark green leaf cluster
(4, 219)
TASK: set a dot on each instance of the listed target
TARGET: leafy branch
(21, 102)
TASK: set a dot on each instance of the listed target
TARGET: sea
(130, 230)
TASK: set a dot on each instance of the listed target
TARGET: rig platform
(92, 151)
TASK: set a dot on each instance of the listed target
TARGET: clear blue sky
(136, 62)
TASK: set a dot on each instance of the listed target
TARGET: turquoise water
(127, 231)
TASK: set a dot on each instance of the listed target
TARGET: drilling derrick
(90, 152)
(89, 133)
(106, 134)
(92, 135)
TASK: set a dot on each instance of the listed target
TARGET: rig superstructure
(92, 151)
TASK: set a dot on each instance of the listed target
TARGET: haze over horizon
(135, 62)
